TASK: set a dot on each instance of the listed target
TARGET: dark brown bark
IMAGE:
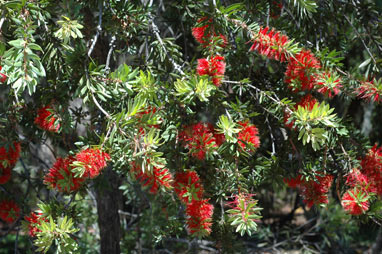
(108, 200)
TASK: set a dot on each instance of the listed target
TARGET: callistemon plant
(9, 211)
(314, 191)
(47, 120)
(146, 124)
(300, 72)
(271, 43)
(155, 179)
(244, 213)
(307, 102)
(62, 178)
(9, 154)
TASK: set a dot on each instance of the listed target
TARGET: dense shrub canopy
(184, 126)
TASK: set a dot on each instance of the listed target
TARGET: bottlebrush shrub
(158, 177)
(300, 71)
(307, 102)
(89, 162)
(328, 84)
(204, 33)
(360, 181)
(355, 201)
(149, 117)
(272, 44)
(10, 154)
(372, 167)
(314, 191)
(32, 221)
(5, 174)
(46, 120)
(212, 66)
(370, 90)
(199, 217)
(3, 77)
(247, 137)
(61, 176)
(200, 138)
(9, 211)
(188, 187)
(244, 213)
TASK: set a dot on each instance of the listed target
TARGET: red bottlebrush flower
(328, 84)
(294, 182)
(200, 35)
(46, 120)
(355, 202)
(5, 174)
(9, 211)
(199, 139)
(370, 90)
(188, 187)
(61, 177)
(315, 191)
(271, 43)
(199, 217)
(159, 177)
(360, 181)
(205, 34)
(307, 102)
(213, 67)
(248, 135)
(92, 161)
(3, 77)
(300, 70)
(372, 167)
(10, 155)
(34, 219)
(244, 212)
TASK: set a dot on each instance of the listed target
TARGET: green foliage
(58, 233)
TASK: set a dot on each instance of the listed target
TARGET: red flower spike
(61, 177)
(328, 84)
(307, 102)
(9, 211)
(34, 220)
(213, 67)
(5, 174)
(315, 191)
(300, 70)
(199, 138)
(370, 90)
(248, 134)
(360, 181)
(10, 155)
(205, 34)
(271, 44)
(93, 161)
(355, 202)
(46, 120)
(3, 77)
(159, 177)
(372, 167)
(188, 187)
(199, 217)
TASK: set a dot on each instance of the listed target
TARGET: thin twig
(99, 29)
(156, 32)
(107, 67)
(363, 42)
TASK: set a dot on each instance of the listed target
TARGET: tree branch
(99, 29)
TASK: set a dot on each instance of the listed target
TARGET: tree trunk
(108, 199)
